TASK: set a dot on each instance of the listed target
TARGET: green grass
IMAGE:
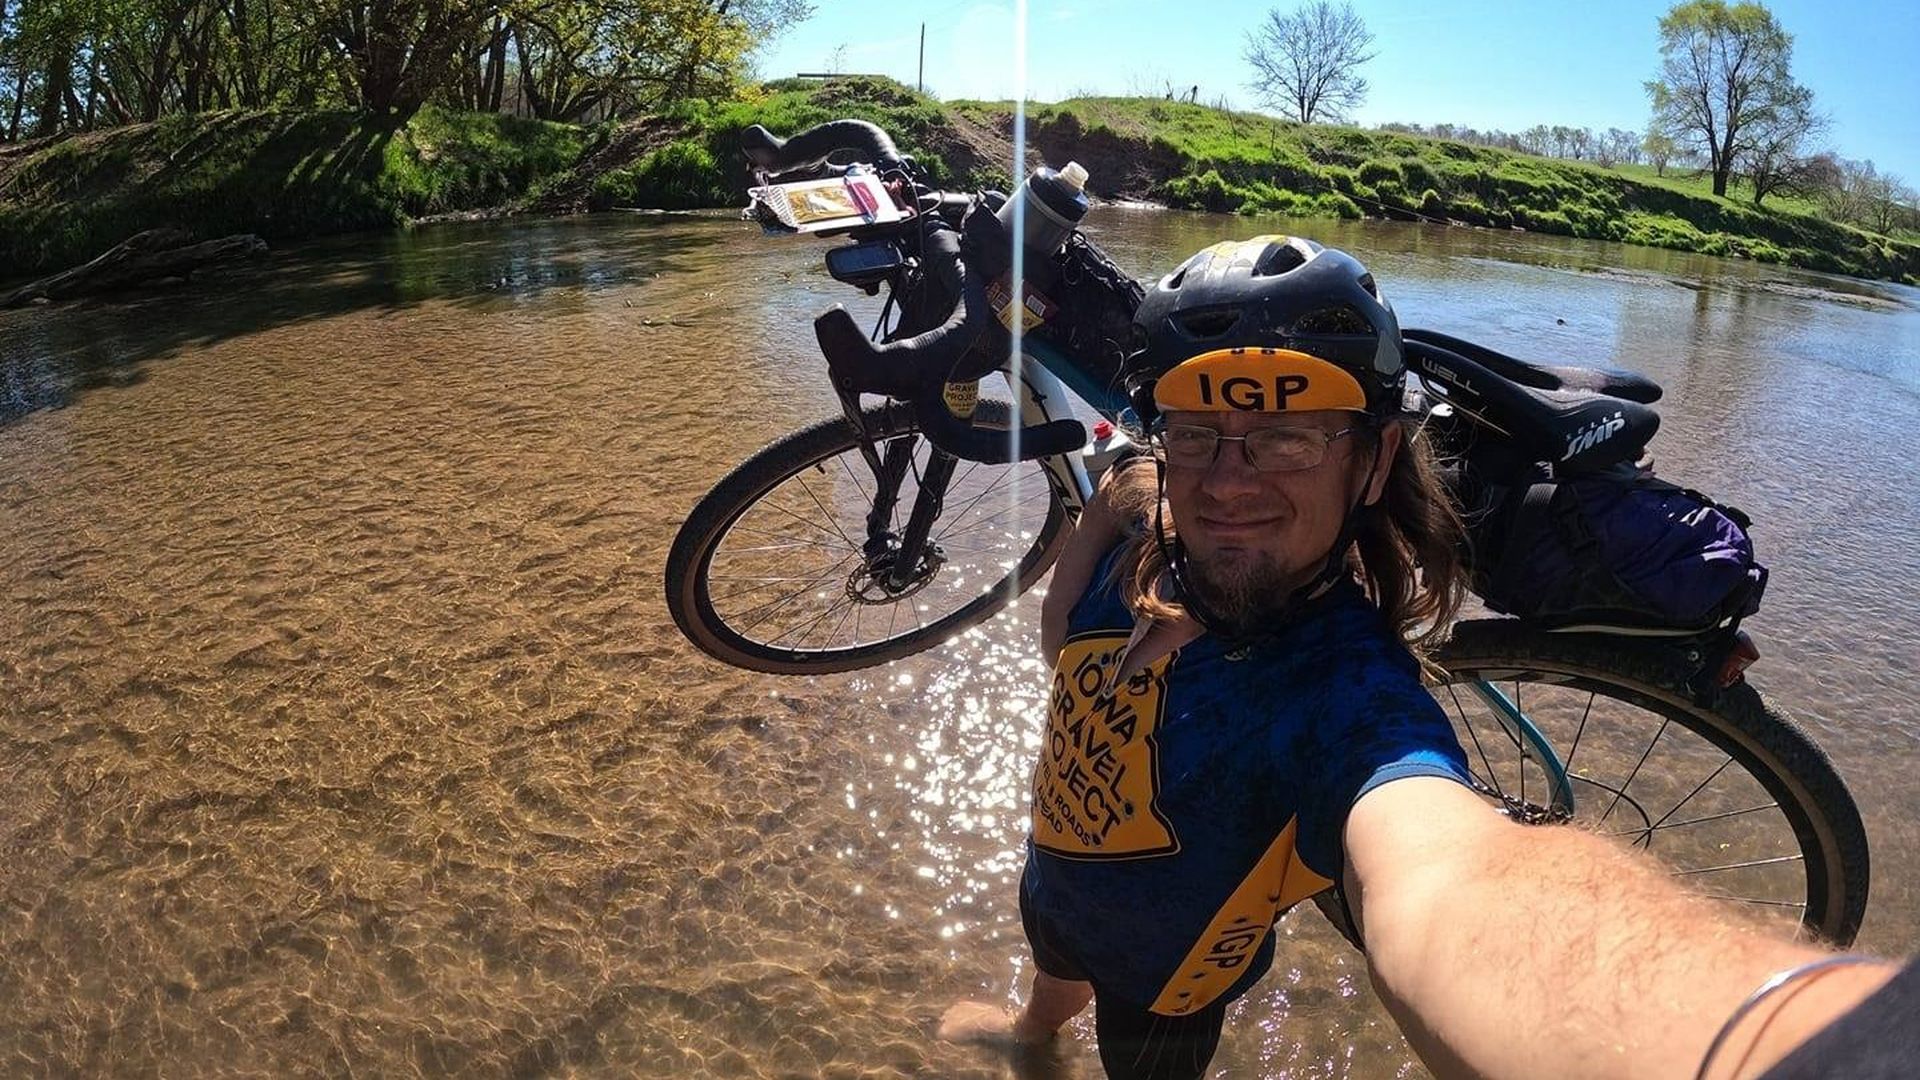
(1212, 159)
(296, 174)
(281, 175)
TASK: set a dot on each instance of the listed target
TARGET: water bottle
(1055, 202)
(1107, 444)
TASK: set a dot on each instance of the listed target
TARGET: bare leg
(1052, 1003)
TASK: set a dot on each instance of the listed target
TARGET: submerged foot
(989, 1025)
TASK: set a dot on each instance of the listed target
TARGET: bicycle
(893, 527)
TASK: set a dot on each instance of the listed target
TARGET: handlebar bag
(1619, 551)
(1094, 319)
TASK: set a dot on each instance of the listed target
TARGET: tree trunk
(495, 81)
(54, 95)
(529, 89)
(93, 81)
(19, 101)
(156, 253)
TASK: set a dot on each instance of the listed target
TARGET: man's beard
(1242, 589)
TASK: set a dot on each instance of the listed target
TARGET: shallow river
(343, 729)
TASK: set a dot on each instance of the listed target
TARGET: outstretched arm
(1507, 950)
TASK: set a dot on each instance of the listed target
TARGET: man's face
(1253, 536)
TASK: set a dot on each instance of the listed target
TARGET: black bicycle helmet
(1267, 324)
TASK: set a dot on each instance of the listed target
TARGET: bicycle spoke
(1518, 744)
(1801, 904)
(1579, 731)
(809, 625)
(1492, 777)
(1652, 770)
(742, 631)
(797, 541)
(824, 512)
(776, 547)
(955, 519)
(865, 495)
(853, 611)
(814, 525)
(1696, 790)
(995, 518)
(1696, 821)
(820, 578)
(1621, 792)
(1777, 860)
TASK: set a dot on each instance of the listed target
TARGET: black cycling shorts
(1135, 1043)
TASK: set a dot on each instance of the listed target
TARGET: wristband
(1766, 990)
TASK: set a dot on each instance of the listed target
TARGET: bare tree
(1308, 61)
(1775, 157)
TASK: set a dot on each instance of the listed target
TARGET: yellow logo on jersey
(1098, 774)
(1279, 881)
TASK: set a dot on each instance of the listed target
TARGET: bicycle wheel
(1732, 795)
(768, 573)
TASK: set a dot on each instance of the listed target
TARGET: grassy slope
(278, 174)
(287, 175)
(1238, 161)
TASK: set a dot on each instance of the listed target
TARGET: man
(1237, 723)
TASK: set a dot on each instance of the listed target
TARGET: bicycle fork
(897, 561)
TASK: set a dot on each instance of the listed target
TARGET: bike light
(1739, 658)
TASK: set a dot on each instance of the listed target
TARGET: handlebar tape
(814, 145)
(916, 369)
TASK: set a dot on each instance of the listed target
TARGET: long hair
(1405, 551)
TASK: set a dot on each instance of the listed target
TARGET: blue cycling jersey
(1178, 813)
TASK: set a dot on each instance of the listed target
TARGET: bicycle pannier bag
(1601, 550)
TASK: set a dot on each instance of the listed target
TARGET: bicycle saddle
(1610, 381)
(1576, 428)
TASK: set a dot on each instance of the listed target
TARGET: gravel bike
(893, 527)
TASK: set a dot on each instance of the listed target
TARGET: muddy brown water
(343, 729)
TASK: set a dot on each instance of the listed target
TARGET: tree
(1774, 158)
(1308, 62)
(1723, 70)
(1660, 149)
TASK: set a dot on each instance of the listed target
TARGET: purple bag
(1600, 550)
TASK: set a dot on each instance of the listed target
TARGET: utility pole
(920, 83)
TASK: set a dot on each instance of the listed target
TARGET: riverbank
(290, 175)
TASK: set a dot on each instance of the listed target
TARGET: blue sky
(1482, 63)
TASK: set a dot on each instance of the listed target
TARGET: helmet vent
(1333, 320)
(1208, 324)
(1278, 259)
(1366, 282)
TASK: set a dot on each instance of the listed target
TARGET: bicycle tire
(1756, 734)
(690, 595)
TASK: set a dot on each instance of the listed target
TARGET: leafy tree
(1660, 149)
(1308, 61)
(1725, 73)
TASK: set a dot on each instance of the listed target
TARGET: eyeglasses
(1270, 449)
